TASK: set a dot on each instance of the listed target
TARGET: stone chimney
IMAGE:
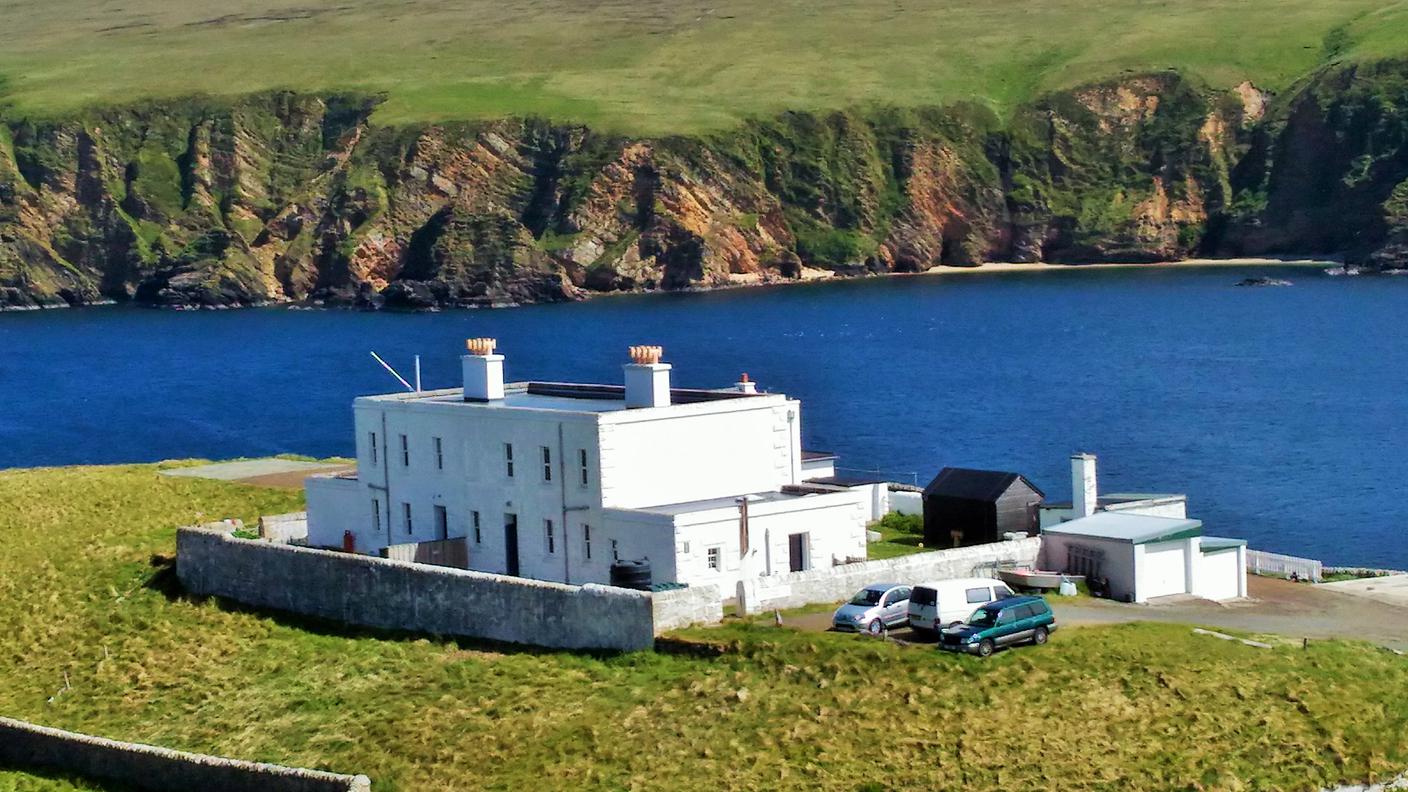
(1084, 497)
(483, 371)
(647, 379)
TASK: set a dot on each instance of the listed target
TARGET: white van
(933, 606)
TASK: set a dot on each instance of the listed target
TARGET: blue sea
(1281, 412)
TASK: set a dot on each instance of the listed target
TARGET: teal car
(1001, 623)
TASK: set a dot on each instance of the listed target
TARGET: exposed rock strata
(296, 197)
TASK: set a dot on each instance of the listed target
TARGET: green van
(1001, 623)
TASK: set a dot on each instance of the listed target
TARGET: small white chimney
(647, 379)
(1084, 496)
(745, 385)
(483, 371)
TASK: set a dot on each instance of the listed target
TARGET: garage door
(1163, 570)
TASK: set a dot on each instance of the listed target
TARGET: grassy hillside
(1130, 707)
(652, 66)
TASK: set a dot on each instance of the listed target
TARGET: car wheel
(985, 648)
(876, 627)
(1039, 637)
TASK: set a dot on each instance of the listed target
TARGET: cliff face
(294, 197)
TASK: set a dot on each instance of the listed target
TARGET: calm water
(1282, 412)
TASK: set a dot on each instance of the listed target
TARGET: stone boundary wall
(831, 584)
(378, 592)
(29, 746)
(682, 607)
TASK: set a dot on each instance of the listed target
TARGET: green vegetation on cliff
(650, 67)
(99, 638)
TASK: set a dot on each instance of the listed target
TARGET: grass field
(661, 65)
(1128, 707)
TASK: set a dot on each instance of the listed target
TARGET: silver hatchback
(873, 609)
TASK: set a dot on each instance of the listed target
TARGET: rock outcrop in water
(299, 197)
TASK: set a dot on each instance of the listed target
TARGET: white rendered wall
(1118, 566)
(905, 502)
(820, 468)
(1221, 575)
(336, 505)
(1162, 569)
(699, 451)
(1162, 507)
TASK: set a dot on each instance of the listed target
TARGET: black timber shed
(967, 507)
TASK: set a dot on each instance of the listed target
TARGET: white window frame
(714, 558)
(405, 452)
(439, 453)
(585, 478)
(376, 515)
(474, 520)
(615, 550)
(508, 459)
(406, 521)
(547, 463)
(549, 537)
(587, 540)
(372, 436)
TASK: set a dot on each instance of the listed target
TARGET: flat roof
(1119, 499)
(710, 504)
(562, 397)
(1125, 527)
(1212, 544)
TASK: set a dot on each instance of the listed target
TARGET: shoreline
(754, 280)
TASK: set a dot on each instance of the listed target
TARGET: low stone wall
(378, 592)
(682, 607)
(832, 584)
(28, 746)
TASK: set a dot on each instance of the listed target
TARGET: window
(978, 595)
(442, 523)
(406, 516)
(582, 464)
(552, 540)
(715, 557)
(508, 459)
(615, 551)
(474, 521)
(371, 437)
(547, 463)
(587, 540)
(376, 515)
(1001, 592)
(405, 452)
(685, 548)
(439, 454)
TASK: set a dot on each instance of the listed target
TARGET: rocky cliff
(296, 197)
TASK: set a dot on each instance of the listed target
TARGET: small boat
(1028, 578)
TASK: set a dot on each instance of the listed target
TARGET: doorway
(797, 552)
(511, 543)
(442, 523)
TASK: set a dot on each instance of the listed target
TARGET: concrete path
(267, 472)
(1392, 589)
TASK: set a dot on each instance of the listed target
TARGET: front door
(797, 552)
(511, 543)
(442, 523)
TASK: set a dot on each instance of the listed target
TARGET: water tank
(631, 575)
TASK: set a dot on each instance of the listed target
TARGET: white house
(555, 481)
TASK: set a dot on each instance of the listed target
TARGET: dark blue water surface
(1282, 412)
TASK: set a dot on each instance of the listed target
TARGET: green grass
(1126, 707)
(662, 65)
(900, 534)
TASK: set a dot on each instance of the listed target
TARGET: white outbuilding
(1144, 556)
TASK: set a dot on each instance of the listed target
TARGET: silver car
(874, 609)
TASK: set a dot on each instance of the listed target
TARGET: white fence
(1260, 562)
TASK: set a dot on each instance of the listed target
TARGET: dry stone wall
(29, 746)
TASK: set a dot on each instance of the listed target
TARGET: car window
(1007, 616)
(866, 597)
(1001, 592)
(1023, 612)
(1040, 608)
(976, 595)
(903, 595)
(923, 596)
(983, 617)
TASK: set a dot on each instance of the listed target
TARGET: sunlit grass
(1123, 707)
(657, 66)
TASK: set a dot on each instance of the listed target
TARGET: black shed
(968, 507)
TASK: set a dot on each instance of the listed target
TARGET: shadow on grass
(165, 582)
(75, 780)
